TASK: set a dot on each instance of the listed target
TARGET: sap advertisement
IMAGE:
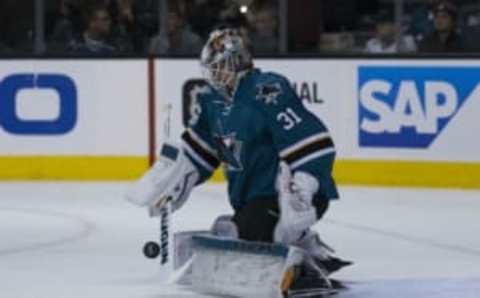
(408, 107)
(417, 109)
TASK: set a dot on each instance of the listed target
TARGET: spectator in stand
(421, 23)
(125, 35)
(16, 23)
(204, 15)
(232, 17)
(445, 38)
(384, 41)
(4, 44)
(146, 23)
(94, 40)
(177, 39)
(65, 27)
(264, 37)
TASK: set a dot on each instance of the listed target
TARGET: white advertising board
(75, 107)
(89, 119)
(375, 109)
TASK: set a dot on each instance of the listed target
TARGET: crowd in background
(131, 27)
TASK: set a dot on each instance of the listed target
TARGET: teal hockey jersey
(264, 123)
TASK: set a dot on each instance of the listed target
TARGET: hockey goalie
(277, 158)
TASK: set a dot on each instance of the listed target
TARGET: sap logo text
(424, 119)
(410, 106)
(61, 84)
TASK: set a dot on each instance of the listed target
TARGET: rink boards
(394, 122)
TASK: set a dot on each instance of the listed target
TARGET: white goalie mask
(223, 58)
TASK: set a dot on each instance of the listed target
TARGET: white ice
(79, 240)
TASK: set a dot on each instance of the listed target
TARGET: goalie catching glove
(171, 178)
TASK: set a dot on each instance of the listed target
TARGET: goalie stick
(166, 237)
(163, 209)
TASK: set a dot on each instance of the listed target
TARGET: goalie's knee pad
(224, 227)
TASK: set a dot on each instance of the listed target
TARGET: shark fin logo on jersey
(268, 93)
(408, 107)
(229, 148)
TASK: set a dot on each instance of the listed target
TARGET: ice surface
(78, 240)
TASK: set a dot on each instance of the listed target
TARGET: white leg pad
(225, 266)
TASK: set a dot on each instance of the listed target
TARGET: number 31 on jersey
(289, 119)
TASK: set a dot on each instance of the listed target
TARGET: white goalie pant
(295, 217)
(172, 177)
